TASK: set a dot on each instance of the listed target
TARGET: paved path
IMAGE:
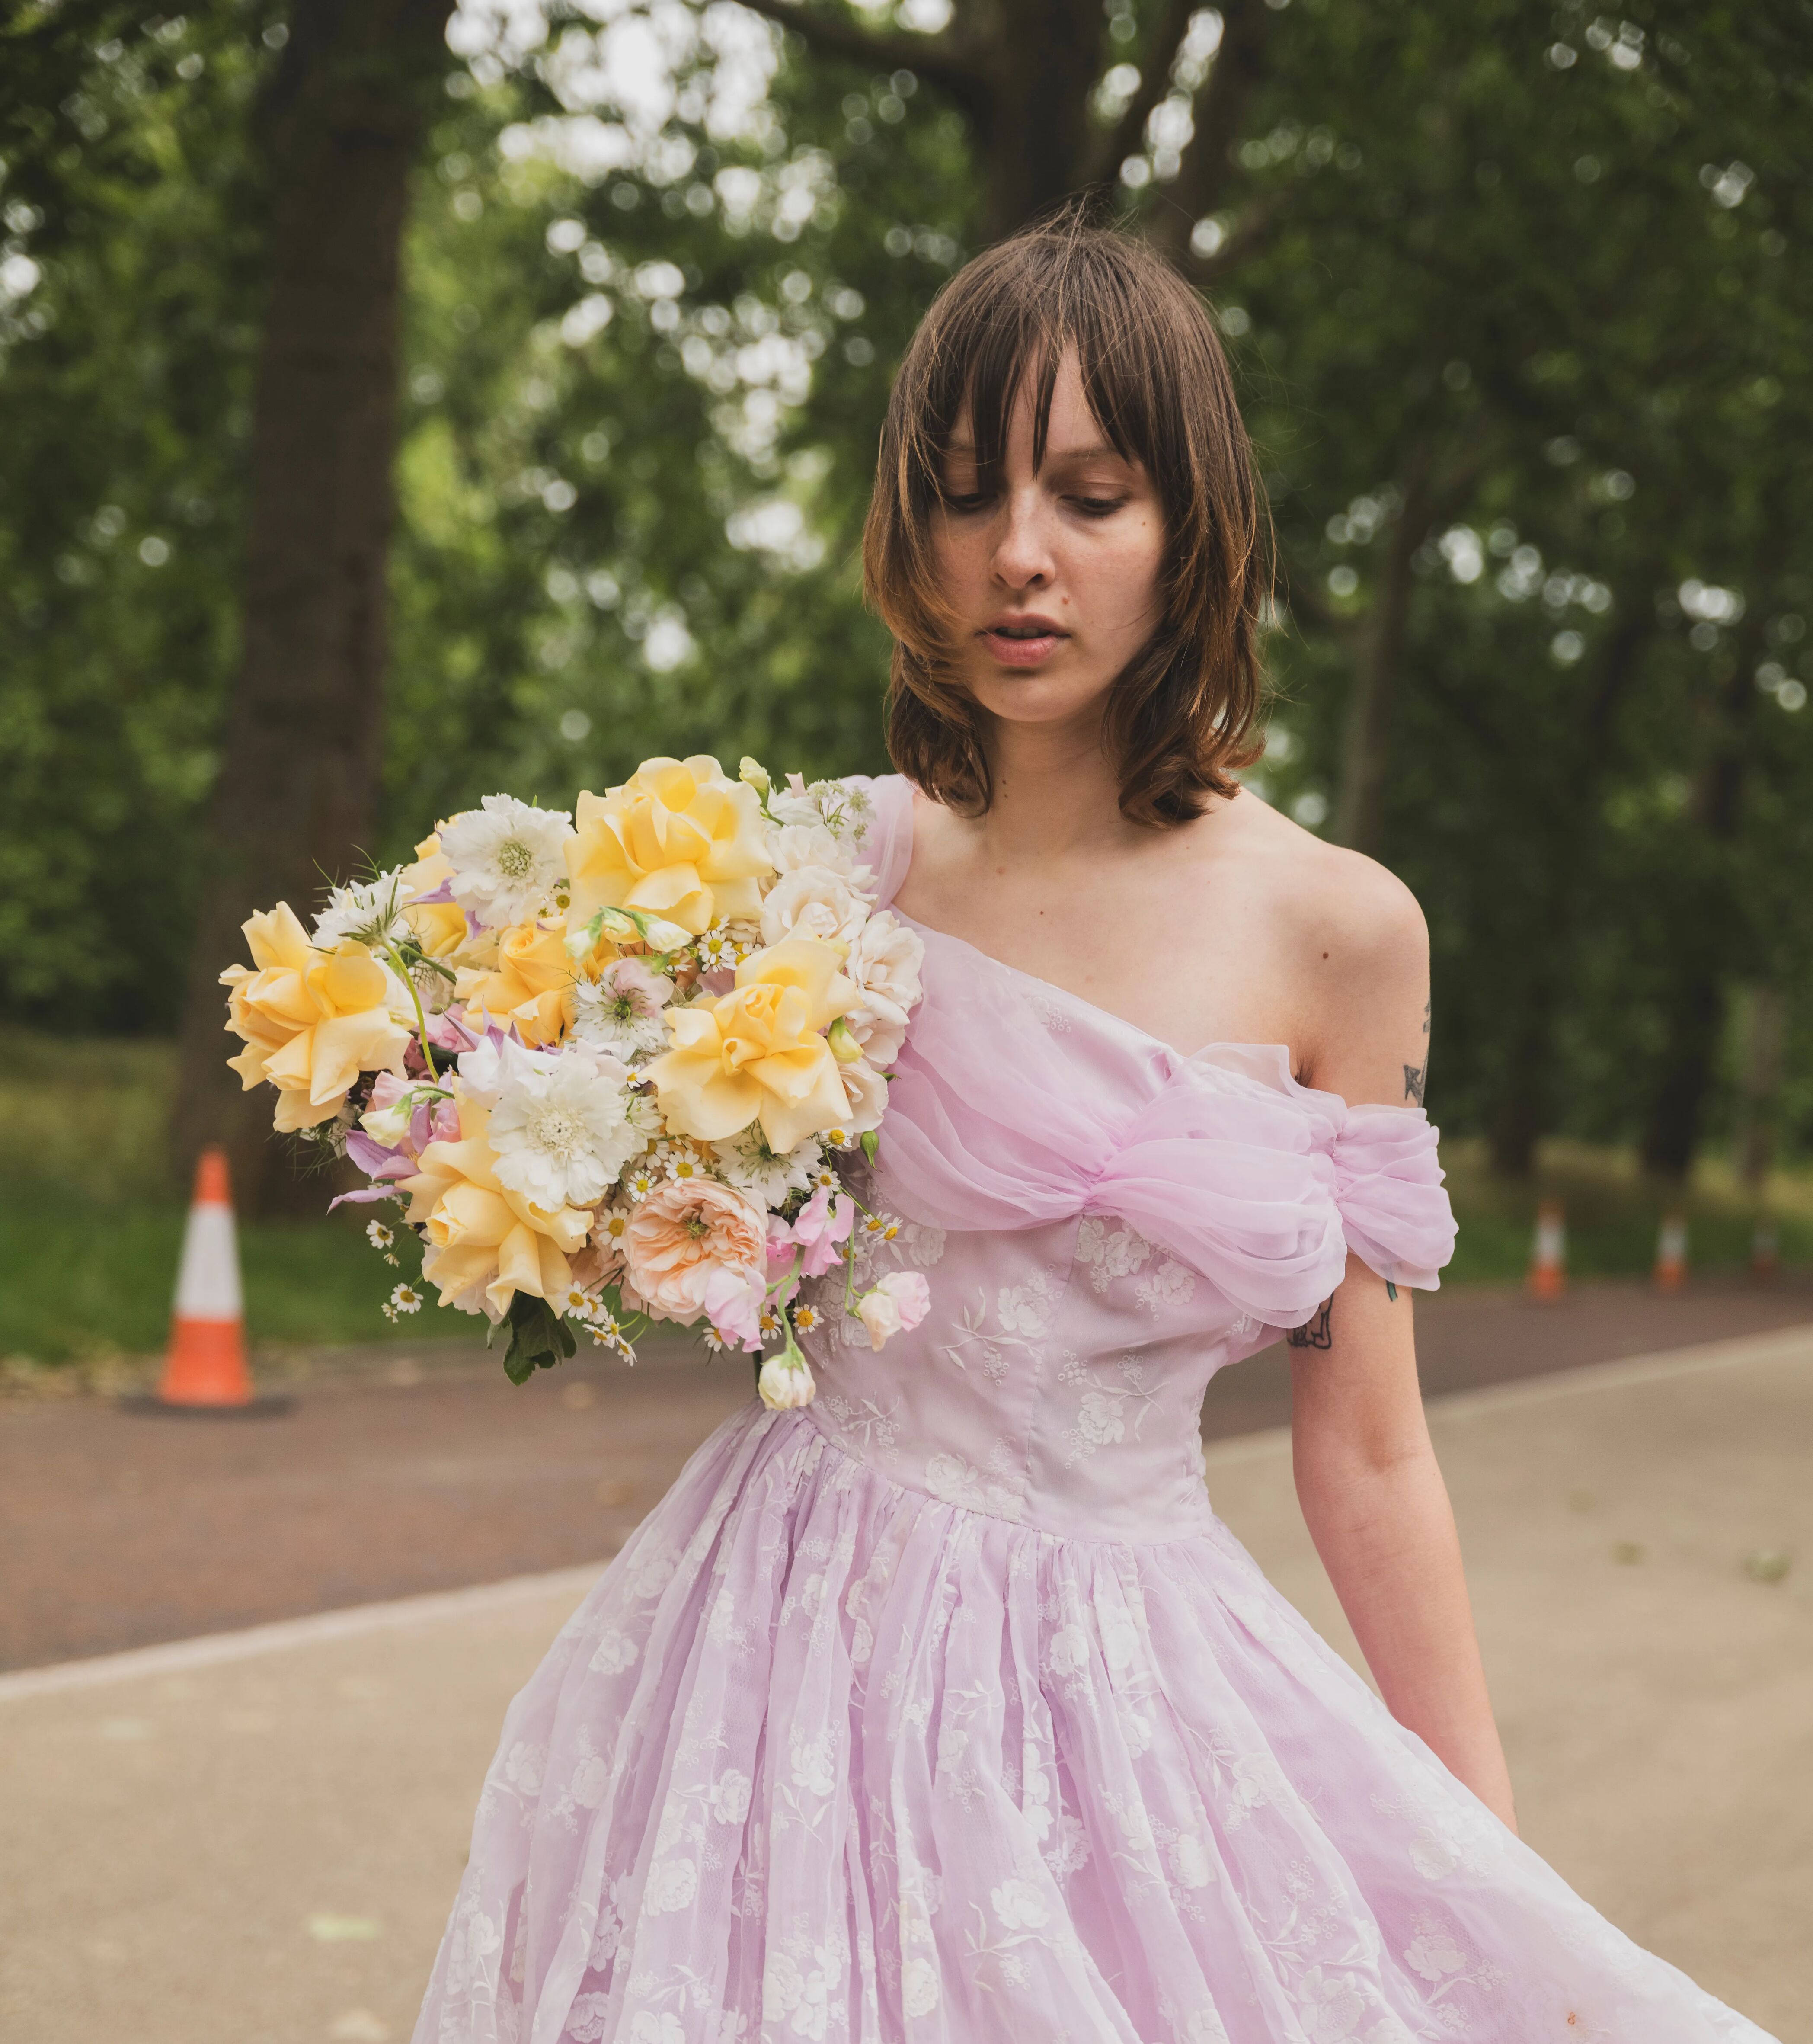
(254, 1840)
(397, 1474)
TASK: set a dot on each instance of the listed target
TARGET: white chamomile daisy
(614, 1225)
(379, 1235)
(880, 1228)
(716, 950)
(770, 1321)
(805, 1319)
(404, 1299)
(507, 857)
(640, 1182)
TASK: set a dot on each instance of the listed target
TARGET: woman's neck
(1055, 791)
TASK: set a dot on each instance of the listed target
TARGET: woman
(944, 1707)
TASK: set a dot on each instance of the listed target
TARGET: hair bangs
(1180, 718)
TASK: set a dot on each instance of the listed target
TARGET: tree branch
(1234, 76)
(940, 60)
(1129, 132)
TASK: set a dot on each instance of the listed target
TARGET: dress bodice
(1104, 1223)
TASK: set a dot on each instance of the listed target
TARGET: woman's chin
(1039, 698)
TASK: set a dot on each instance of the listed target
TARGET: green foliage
(1521, 330)
(128, 191)
(540, 1339)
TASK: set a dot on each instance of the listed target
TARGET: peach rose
(682, 1235)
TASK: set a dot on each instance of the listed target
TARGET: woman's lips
(1015, 651)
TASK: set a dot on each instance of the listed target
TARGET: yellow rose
(439, 927)
(532, 984)
(759, 1052)
(486, 1243)
(679, 840)
(312, 1020)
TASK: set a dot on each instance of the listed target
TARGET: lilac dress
(946, 1708)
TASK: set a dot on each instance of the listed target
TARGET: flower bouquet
(614, 1062)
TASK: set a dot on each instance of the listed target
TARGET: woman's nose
(1023, 552)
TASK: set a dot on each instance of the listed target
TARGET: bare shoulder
(1353, 946)
(1324, 893)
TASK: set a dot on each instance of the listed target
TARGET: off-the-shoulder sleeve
(1388, 1186)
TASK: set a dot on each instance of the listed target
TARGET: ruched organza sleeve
(1388, 1189)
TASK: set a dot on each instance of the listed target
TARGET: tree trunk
(1036, 141)
(1522, 1111)
(1709, 929)
(295, 801)
(1359, 806)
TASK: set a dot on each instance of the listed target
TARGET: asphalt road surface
(393, 1472)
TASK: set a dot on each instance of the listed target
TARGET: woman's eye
(1098, 507)
(970, 500)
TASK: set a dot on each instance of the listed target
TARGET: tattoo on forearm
(1314, 1333)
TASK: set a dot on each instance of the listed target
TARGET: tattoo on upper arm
(1415, 1076)
(1315, 1333)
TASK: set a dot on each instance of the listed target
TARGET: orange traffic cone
(1549, 1252)
(205, 1367)
(1670, 1272)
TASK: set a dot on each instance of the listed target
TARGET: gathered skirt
(822, 1757)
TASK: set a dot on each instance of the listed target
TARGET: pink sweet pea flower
(733, 1304)
(898, 1302)
(822, 1229)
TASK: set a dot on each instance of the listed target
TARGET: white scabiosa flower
(622, 1010)
(507, 859)
(561, 1128)
(370, 912)
(746, 1162)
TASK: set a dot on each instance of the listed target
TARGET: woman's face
(1054, 575)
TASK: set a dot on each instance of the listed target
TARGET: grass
(1613, 1213)
(91, 1224)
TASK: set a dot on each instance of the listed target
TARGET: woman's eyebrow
(1097, 450)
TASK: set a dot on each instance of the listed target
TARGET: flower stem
(409, 980)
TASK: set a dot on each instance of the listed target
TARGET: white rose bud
(754, 774)
(786, 1383)
(881, 1315)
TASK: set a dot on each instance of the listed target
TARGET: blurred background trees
(1517, 295)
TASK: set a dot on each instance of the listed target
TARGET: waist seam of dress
(1028, 1527)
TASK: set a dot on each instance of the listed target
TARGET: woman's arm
(1376, 1509)
(1372, 1495)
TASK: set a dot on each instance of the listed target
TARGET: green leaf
(540, 1339)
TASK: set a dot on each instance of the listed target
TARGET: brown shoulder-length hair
(1180, 718)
